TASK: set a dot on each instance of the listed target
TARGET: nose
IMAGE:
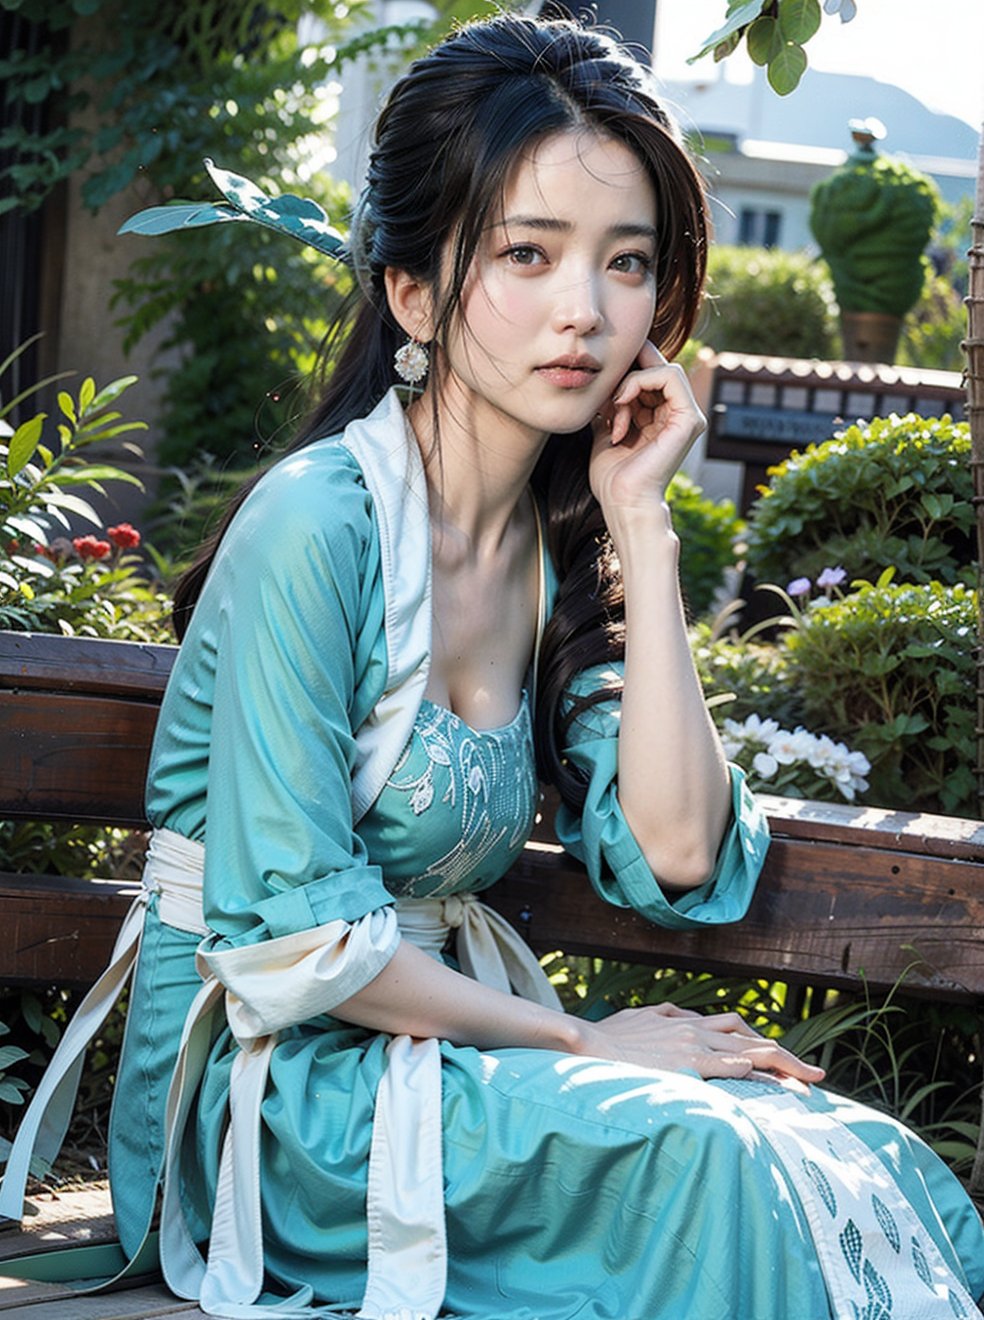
(578, 306)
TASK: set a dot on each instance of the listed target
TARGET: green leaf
(67, 404)
(787, 68)
(11, 1054)
(92, 432)
(725, 48)
(55, 499)
(111, 392)
(83, 476)
(10, 1093)
(763, 40)
(23, 443)
(738, 18)
(25, 526)
(799, 19)
(86, 394)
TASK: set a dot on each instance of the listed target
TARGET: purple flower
(799, 587)
(831, 577)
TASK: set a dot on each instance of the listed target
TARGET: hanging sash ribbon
(264, 988)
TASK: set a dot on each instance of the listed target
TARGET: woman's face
(561, 293)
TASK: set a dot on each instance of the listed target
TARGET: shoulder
(311, 505)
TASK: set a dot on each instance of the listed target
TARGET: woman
(393, 617)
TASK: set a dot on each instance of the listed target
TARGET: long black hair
(445, 142)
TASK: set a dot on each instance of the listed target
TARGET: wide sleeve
(281, 620)
(600, 837)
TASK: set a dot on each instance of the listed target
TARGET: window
(758, 228)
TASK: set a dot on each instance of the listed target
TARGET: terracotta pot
(870, 336)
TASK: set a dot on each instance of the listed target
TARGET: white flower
(846, 8)
(788, 747)
(759, 729)
(764, 765)
(734, 731)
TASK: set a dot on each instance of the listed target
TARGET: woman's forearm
(672, 776)
(416, 995)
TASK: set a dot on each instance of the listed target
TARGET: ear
(411, 302)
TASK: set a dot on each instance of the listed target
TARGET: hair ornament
(298, 217)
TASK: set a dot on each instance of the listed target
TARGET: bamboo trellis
(974, 347)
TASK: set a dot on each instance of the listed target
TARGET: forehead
(569, 173)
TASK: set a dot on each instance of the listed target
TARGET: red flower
(90, 547)
(124, 535)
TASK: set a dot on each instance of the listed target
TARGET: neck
(478, 467)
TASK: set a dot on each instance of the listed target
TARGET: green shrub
(895, 492)
(933, 332)
(708, 530)
(872, 218)
(890, 669)
(743, 678)
(770, 302)
(50, 579)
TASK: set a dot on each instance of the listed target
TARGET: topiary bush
(895, 492)
(763, 300)
(708, 530)
(890, 669)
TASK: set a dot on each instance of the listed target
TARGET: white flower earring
(411, 362)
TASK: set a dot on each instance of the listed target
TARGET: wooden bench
(850, 896)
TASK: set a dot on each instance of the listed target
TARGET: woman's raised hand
(714, 1045)
(644, 433)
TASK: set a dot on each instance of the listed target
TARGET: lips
(571, 372)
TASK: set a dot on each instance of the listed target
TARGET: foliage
(894, 492)
(157, 81)
(775, 33)
(872, 219)
(742, 677)
(708, 530)
(768, 301)
(75, 584)
(890, 668)
(934, 330)
(162, 86)
(190, 507)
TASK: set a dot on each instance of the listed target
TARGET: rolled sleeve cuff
(281, 982)
(342, 896)
(620, 873)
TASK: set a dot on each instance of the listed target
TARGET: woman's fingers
(720, 1045)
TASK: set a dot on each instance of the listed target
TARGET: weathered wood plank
(839, 822)
(58, 930)
(91, 664)
(131, 1304)
(832, 913)
(827, 913)
(74, 757)
(54, 1219)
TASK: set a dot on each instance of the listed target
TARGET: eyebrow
(547, 223)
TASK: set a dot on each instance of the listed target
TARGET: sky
(932, 48)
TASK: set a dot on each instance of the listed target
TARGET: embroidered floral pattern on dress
(475, 788)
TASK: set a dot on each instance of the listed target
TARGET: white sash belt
(266, 987)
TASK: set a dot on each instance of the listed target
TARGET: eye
(525, 254)
(632, 263)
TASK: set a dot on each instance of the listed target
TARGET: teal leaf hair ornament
(298, 217)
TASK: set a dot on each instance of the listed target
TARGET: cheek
(493, 312)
